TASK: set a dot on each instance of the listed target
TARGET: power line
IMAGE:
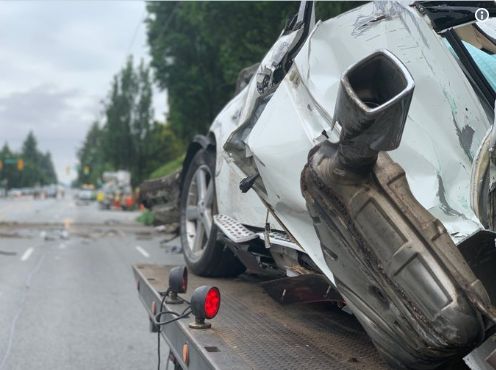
(136, 29)
(169, 19)
(142, 20)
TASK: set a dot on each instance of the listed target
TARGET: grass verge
(167, 168)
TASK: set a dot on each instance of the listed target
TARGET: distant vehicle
(28, 191)
(116, 191)
(38, 193)
(14, 193)
(85, 196)
(50, 191)
(47, 191)
(61, 191)
(119, 178)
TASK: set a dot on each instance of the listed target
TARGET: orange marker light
(186, 354)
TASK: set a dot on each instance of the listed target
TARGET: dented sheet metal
(389, 241)
(444, 129)
(446, 123)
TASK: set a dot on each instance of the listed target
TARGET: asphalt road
(68, 299)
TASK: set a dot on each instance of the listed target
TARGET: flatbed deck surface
(252, 331)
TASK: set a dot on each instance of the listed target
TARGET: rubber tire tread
(217, 260)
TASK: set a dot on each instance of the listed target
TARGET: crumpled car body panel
(445, 127)
(446, 123)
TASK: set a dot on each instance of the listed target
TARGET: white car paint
(445, 126)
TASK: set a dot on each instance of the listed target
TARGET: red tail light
(178, 279)
(212, 303)
(205, 303)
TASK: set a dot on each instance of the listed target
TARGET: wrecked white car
(361, 152)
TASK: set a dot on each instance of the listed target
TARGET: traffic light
(20, 164)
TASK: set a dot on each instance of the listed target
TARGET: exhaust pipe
(372, 105)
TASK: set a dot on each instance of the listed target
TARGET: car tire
(204, 254)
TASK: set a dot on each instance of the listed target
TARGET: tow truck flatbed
(253, 331)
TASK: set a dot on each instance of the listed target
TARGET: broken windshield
(474, 47)
(481, 47)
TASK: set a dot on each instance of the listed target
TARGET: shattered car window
(481, 47)
(485, 61)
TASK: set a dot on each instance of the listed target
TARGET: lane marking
(142, 251)
(27, 254)
(62, 246)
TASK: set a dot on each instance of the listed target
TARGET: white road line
(142, 251)
(27, 254)
(62, 246)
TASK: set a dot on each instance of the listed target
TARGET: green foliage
(162, 146)
(117, 140)
(329, 9)
(198, 49)
(128, 139)
(91, 157)
(146, 218)
(38, 167)
(167, 168)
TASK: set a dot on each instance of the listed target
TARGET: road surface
(67, 294)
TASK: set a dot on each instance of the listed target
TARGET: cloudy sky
(56, 61)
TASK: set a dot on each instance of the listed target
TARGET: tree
(31, 174)
(37, 168)
(141, 123)
(117, 141)
(9, 176)
(128, 137)
(198, 49)
(91, 157)
(162, 146)
(47, 170)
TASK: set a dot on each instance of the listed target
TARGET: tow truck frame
(253, 331)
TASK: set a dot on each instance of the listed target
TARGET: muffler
(394, 264)
(372, 107)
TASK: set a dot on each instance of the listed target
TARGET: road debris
(8, 253)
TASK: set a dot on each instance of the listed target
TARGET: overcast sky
(56, 61)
